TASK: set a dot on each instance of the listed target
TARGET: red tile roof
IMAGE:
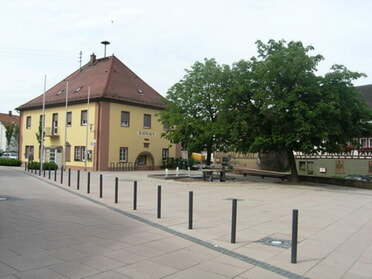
(8, 118)
(108, 78)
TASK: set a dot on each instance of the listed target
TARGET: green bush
(10, 162)
(50, 165)
(46, 166)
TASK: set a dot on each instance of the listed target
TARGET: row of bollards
(190, 211)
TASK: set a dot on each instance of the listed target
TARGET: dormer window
(78, 89)
(59, 92)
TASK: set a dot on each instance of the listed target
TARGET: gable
(108, 79)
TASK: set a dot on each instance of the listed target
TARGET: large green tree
(194, 105)
(278, 103)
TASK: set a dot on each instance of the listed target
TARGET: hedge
(46, 166)
(10, 162)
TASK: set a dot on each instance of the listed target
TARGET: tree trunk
(209, 155)
(292, 164)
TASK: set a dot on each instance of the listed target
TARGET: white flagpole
(42, 128)
(65, 141)
(86, 135)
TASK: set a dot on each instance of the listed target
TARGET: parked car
(9, 155)
(367, 178)
(354, 177)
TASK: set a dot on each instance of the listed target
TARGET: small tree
(11, 133)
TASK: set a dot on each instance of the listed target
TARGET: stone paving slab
(335, 224)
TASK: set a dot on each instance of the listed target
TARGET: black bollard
(88, 186)
(159, 202)
(100, 185)
(191, 202)
(233, 220)
(61, 175)
(78, 180)
(49, 173)
(55, 174)
(116, 189)
(294, 235)
(135, 195)
(43, 172)
(69, 177)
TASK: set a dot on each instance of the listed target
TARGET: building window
(147, 121)
(165, 127)
(28, 122)
(165, 153)
(79, 153)
(363, 142)
(302, 166)
(146, 144)
(142, 160)
(123, 154)
(310, 168)
(69, 118)
(84, 118)
(124, 119)
(340, 166)
(55, 124)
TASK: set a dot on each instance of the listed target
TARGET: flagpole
(86, 135)
(65, 141)
(42, 128)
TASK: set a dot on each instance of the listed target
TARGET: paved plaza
(51, 229)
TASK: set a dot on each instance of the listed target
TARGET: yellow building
(100, 117)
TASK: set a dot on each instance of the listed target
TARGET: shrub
(46, 165)
(50, 165)
(10, 162)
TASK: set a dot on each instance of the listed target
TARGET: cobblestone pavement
(51, 229)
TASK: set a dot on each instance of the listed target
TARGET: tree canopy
(193, 107)
(272, 102)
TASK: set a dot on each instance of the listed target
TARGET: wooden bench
(264, 173)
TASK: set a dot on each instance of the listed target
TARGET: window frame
(165, 153)
(123, 120)
(28, 122)
(79, 153)
(69, 118)
(55, 124)
(84, 117)
(123, 154)
(147, 121)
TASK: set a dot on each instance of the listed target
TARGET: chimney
(10, 113)
(92, 59)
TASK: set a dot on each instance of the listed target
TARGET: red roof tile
(108, 79)
(8, 118)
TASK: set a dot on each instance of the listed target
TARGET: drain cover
(7, 198)
(275, 242)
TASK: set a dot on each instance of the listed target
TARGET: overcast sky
(159, 39)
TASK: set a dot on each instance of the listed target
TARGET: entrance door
(59, 157)
(55, 155)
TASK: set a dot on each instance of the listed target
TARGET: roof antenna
(105, 43)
